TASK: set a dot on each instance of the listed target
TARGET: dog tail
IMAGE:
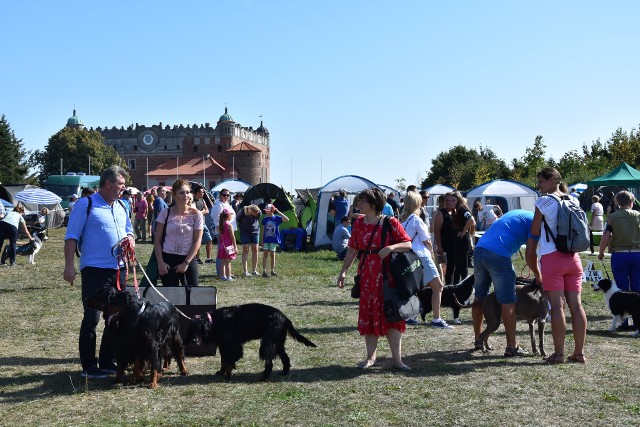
(455, 298)
(298, 336)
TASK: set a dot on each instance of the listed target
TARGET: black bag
(355, 291)
(406, 268)
(397, 308)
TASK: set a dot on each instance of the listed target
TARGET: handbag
(397, 308)
(355, 290)
(230, 249)
(405, 267)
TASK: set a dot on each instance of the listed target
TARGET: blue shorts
(429, 269)
(248, 238)
(271, 247)
(488, 267)
(206, 235)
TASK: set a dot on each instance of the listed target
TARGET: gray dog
(532, 305)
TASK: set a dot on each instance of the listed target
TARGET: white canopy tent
(505, 193)
(352, 185)
(434, 192)
(233, 185)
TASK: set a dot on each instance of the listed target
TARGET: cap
(126, 193)
(227, 210)
(269, 208)
(73, 196)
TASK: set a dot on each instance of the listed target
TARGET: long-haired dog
(228, 328)
(621, 304)
(141, 333)
(452, 296)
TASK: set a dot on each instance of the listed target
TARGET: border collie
(621, 304)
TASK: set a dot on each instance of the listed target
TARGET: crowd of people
(183, 220)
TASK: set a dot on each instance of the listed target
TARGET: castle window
(135, 148)
(195, 149)
(219, 149)
(131, 163)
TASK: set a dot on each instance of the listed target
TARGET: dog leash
(157, 291)
(604, 267)
(125, 253)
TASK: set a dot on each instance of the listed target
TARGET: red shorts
(561, 272)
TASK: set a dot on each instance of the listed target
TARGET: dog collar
(209, 317)
(144, 305)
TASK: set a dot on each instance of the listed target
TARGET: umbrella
(37, 196)
(8, 206)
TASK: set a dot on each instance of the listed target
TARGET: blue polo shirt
(100, 230)
(508, 233)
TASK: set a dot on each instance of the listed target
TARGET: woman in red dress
(366, 232)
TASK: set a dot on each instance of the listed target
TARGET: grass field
(40, 381)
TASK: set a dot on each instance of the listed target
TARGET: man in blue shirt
(492, 262)
(340, 239)
(100, 230)
(159, 204)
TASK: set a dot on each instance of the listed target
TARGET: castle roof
(188, 166)
(243, 146)
(262, 130)
(225, 117)
(74, 120)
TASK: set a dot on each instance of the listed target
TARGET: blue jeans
(488, 267)
(93, 279)
(625, 267)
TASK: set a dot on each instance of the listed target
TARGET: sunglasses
(185, 192)
(225, 195)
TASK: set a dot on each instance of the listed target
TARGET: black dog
(141, 333)
(621, 304)
(452, 297)
(230, 327)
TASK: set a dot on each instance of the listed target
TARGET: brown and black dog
(141, 333)
(228, 328)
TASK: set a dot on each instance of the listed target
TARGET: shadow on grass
(608, 334)
(35, 361)
(26, 288)
(327, 303)
(331, 330)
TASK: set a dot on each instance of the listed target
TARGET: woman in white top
(561, 272)
(178, 237)
(597, 214)
(421, 245)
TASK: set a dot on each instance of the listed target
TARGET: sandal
(555, 359)
(478, 345)
(577, 358)
(513, 352)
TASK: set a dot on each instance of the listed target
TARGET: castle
(157, 155)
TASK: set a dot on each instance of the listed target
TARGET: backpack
(572, 234)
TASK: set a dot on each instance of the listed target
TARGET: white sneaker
(440, 323)
(247, 274)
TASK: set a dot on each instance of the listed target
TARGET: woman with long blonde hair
(421, 245)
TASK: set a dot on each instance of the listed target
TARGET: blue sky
(369, 88)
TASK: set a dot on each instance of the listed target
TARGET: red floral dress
(371, 319)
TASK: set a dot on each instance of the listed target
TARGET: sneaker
(224, 279)
(230, 279)
(519, 351)
(255, 273)
(199, 261)
(264, 274)
(273, 273)
(440, 323)
(247, 274)
(209, 261)
(94, 372)
(412, 321)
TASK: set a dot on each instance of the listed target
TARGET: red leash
(127, 255)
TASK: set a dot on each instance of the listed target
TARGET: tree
(75, 147)
(526, 169)
(14, 158)
(465, 168)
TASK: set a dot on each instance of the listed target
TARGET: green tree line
(464, 168)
